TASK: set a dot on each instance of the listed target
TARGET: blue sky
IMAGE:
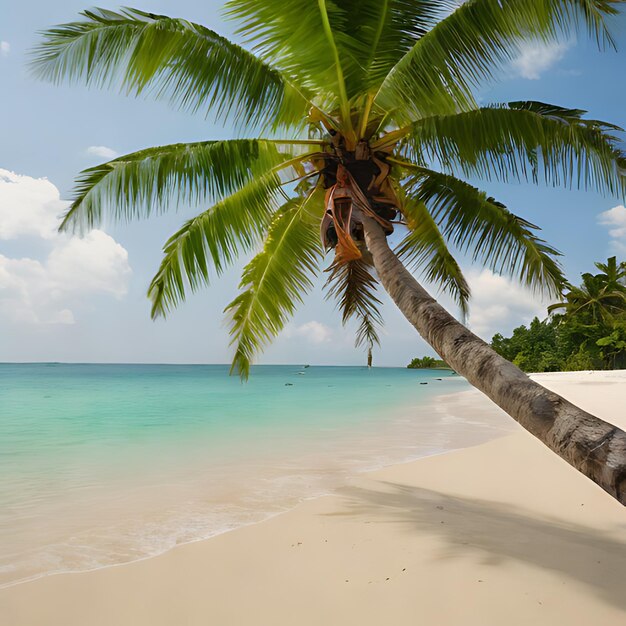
(67, 299)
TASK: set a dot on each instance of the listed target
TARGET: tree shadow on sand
(498, 532)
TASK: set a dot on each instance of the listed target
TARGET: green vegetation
(585, 331)
(427, 363)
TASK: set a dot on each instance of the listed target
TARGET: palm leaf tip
(275, 281)
(162, 300)
(353, 287)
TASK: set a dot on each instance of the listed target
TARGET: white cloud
(30, 295)
(28, 206)
(95, 263)
(45, 291)
(499, 304)
(102, 152)
(312, 331)
(535, 58)
(5, 48)
(615, 219)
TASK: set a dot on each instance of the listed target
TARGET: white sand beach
(500, 533)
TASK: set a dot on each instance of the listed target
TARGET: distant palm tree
(593, 299)
(613, 275)
(600, 297)
(368, 117)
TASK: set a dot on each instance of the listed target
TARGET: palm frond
(425, 248)
(528, 140)
(341, 46)
(353, 287)
(477, 224)
(190, 65)
(147, 181)
(367, 332)
(293, 37)
(438, 74)
(375, 34)
(275, 280)
(211, 241)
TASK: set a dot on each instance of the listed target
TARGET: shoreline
(131, 473)
(443, 404)
(457, 486)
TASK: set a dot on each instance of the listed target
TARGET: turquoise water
(102, 464)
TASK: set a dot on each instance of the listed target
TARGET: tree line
(586, 331)
(427, 362)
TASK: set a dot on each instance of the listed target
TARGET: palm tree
(612, 274)
(365, 121)
(597, 300)
(600, 297)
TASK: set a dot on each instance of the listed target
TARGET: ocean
(105, 464)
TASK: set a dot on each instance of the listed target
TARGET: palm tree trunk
(593, 446)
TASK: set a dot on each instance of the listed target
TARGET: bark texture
(593, 446)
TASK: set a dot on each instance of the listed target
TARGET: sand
(504, 533)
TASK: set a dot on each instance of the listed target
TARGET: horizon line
(297, 364)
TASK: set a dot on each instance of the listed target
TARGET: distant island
(428, 363)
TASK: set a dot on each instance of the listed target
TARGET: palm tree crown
(359, 108)
(600, 297)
